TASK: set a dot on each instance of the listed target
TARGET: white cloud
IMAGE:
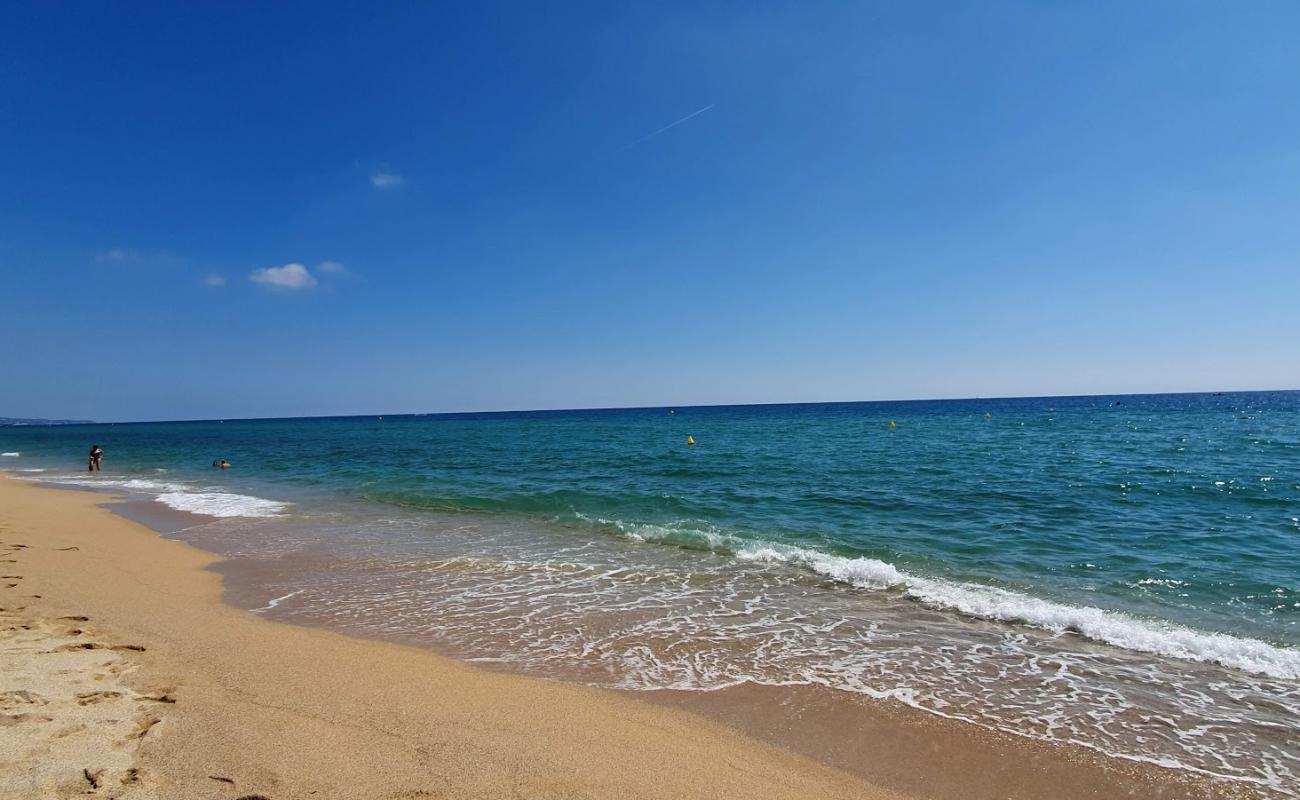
(290, 276)
(386, 180)
(332, 267)
(118, 255)
(213, 279)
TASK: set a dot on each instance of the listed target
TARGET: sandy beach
(122, 674)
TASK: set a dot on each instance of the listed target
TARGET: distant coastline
(16, 422)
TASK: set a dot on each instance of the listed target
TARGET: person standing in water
(96, 456)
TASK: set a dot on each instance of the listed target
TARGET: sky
(274, 209)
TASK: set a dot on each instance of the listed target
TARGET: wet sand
(182, 696)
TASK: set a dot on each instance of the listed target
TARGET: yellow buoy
(987, 415)
(690, 440)
(892, 425)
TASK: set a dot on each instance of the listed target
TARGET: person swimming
(220, 463)
(96, 456)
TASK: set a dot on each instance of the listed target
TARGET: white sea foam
(276, 601)
(1112, 627)
(222, 504)
(990, 602)
(137, 484)
(11, 455)
(1157, 637)
(864, 573)
(1169, 583)
(153, 486)
(183, 497)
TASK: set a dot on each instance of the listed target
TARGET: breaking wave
(1158, 637)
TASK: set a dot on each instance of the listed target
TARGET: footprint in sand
(21, 697)
(89, 698)
(8, 720)
(66, 648)
(144, 726)
(136, 648)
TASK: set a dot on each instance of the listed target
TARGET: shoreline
(209, 701)
(883, 744)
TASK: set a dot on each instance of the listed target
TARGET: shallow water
(1124, 576)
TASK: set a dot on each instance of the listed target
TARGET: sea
(1120, 573)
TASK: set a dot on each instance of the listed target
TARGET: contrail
(691, 115)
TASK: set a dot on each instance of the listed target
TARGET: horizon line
(42, 422)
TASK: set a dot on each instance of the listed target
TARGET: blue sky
(885, 200)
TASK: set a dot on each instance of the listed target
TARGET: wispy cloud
(332, 267)
(290, 276)
(118, 255)
(667, 127)
(213, 279)
(386, 180)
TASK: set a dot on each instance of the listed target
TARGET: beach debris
(221, 779)
(92, 777)
(253, 797)
(132, 776)
(65, 549)
(76, 618)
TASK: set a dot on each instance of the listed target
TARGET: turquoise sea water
(1119, 571)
